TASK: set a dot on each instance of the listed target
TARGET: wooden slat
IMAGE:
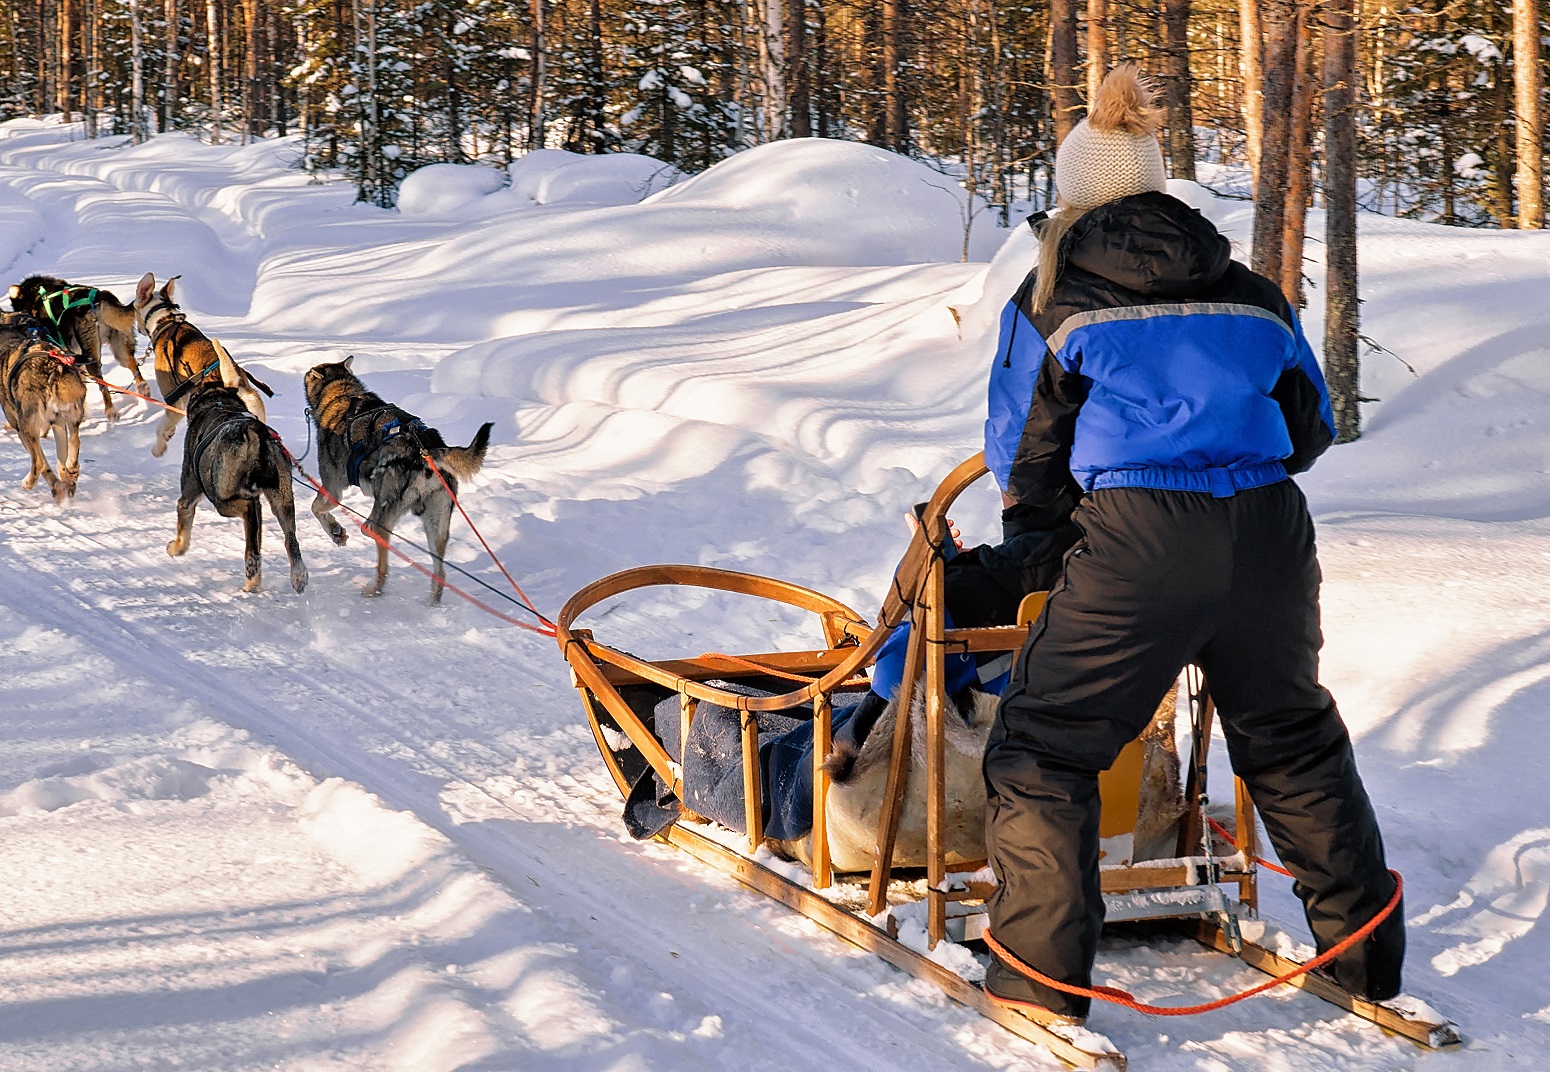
(687, 706)
(590, 677)
(858, 932)
(898, 770)
(1248, 844)
(1433, 1035)
(753, 796)
(936, 757)
(823, 734)
(706, 667)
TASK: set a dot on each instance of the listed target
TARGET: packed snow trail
(463, 894)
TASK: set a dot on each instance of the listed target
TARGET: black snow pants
(1159, 580)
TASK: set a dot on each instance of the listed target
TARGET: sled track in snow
(741, 961)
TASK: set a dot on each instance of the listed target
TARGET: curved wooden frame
(917, 592)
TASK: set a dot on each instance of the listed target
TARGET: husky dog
(83, 318)
(230, 457)
(41, 392)
(378, 447)
(184, 355)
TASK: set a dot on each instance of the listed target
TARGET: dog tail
(464, 462)
(119, 321)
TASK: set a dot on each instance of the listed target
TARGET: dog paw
(371, 591)
(339, 536)
(29, 481)
(60, 493)
(173, 549)
(299, 580)
(253, 584)
(158, 448)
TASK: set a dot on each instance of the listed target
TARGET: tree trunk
(136, 75)
(1299, 169)
(90, 99)
(798, 83)
(1341, 310)
(1531, 129)
(821, 68)
(1097, 46)
(66, 29)
(169, 69)
(537, 118)
(1064, 82)
(213, 60)
(597, 97)
(895, 127)
(1502, 163)
(1252, 66)
(1181, 116)
(250, 70)
(1270, 189)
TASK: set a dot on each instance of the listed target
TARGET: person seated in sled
(1166, 394)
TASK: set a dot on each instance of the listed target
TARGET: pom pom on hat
(1113, 153)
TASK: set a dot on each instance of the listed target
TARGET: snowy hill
(309, 832)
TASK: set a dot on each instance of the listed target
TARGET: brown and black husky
(83, 318)
(184, 355)
(231, 458)
(42, 392)
(377, 446)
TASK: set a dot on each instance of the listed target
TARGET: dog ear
(144, 287)
(347, 362)
(16, 292)
(166, 291)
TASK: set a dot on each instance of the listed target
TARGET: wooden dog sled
(1210, 887)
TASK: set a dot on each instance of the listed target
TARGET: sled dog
(230, 457)
(378, 447)
(184, 355)
(81, 319)
(41, 393)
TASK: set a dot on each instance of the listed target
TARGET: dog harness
(21, 359)
(57, 303)
(394, 429)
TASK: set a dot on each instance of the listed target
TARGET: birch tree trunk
(136, 75)
(1299, 169)
(1530, 122)
(1097, 46)
(538, 116)
(1181, 116)
(1341, 310)
(169, 70)
(1251, 63)
(213, 60)
(1280, 26)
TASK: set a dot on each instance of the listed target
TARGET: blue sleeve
(1019, 354)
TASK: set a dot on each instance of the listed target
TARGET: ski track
(471, 727)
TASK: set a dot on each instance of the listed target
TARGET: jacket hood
(1150, 243)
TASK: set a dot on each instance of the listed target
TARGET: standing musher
(1165, 394)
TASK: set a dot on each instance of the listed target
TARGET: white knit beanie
(1113, 153)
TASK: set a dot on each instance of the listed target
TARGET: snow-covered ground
(325, 833)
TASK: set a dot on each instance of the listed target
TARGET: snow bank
(555, 177)
(438, 189)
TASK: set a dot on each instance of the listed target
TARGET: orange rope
(546, 630)
(134, 394)
(1220, 829)
(518, 588)
(1128, 1000)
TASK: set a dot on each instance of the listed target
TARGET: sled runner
(646, 717)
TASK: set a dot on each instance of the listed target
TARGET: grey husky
(381, 449)
(231, 458)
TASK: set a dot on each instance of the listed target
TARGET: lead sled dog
(381, 449)
(83, 318)
(231, 459)
(42, 394)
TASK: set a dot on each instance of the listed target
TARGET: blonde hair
(1050, 237)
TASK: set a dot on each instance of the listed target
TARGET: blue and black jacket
(1160, 362)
